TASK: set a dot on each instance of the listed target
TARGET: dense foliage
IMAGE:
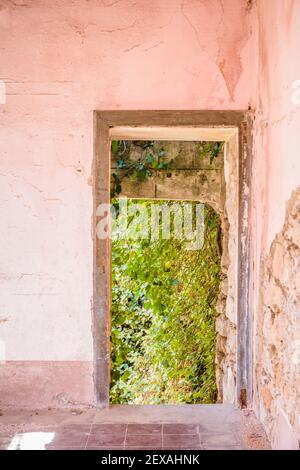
(163, 318)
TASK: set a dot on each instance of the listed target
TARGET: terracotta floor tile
(72, 435)
(144, 429)
(109, 428)
(97, 440)
(107, 436)
(143, 448)
(76, 428)
(105, 448)
(181, 440)
(174, 428)
(141, 440)
(183, 448)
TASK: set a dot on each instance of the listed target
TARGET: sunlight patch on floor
(31, 440)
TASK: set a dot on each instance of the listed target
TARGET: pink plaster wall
(277, 111)
(276, 173)
(60, 60)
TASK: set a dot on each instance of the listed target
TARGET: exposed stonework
(191, 178)
(226, 350)
(253, 433)
(278, 334)
(216, 184)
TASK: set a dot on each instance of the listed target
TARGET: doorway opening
(166, 271)
(232, 345)
(164, 308)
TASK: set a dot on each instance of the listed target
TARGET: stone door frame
(233, 127)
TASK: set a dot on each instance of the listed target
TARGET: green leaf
(149, 158)
(115, 146)
(121, 163)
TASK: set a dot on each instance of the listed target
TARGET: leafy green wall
(163, 318)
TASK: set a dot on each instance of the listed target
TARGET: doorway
(233, 336)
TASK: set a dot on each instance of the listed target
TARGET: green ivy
(152, 160)
(212, 149)
(163, 318)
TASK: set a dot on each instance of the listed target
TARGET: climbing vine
(152, 160)
(213, 149)
(163, 318)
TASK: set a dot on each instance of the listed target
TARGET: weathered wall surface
(226, 324)
(60, 60)
(275, 223)
(279, 365)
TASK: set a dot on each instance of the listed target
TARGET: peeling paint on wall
(276, 173)
(278, 359)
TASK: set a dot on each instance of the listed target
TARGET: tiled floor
(189, 427)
